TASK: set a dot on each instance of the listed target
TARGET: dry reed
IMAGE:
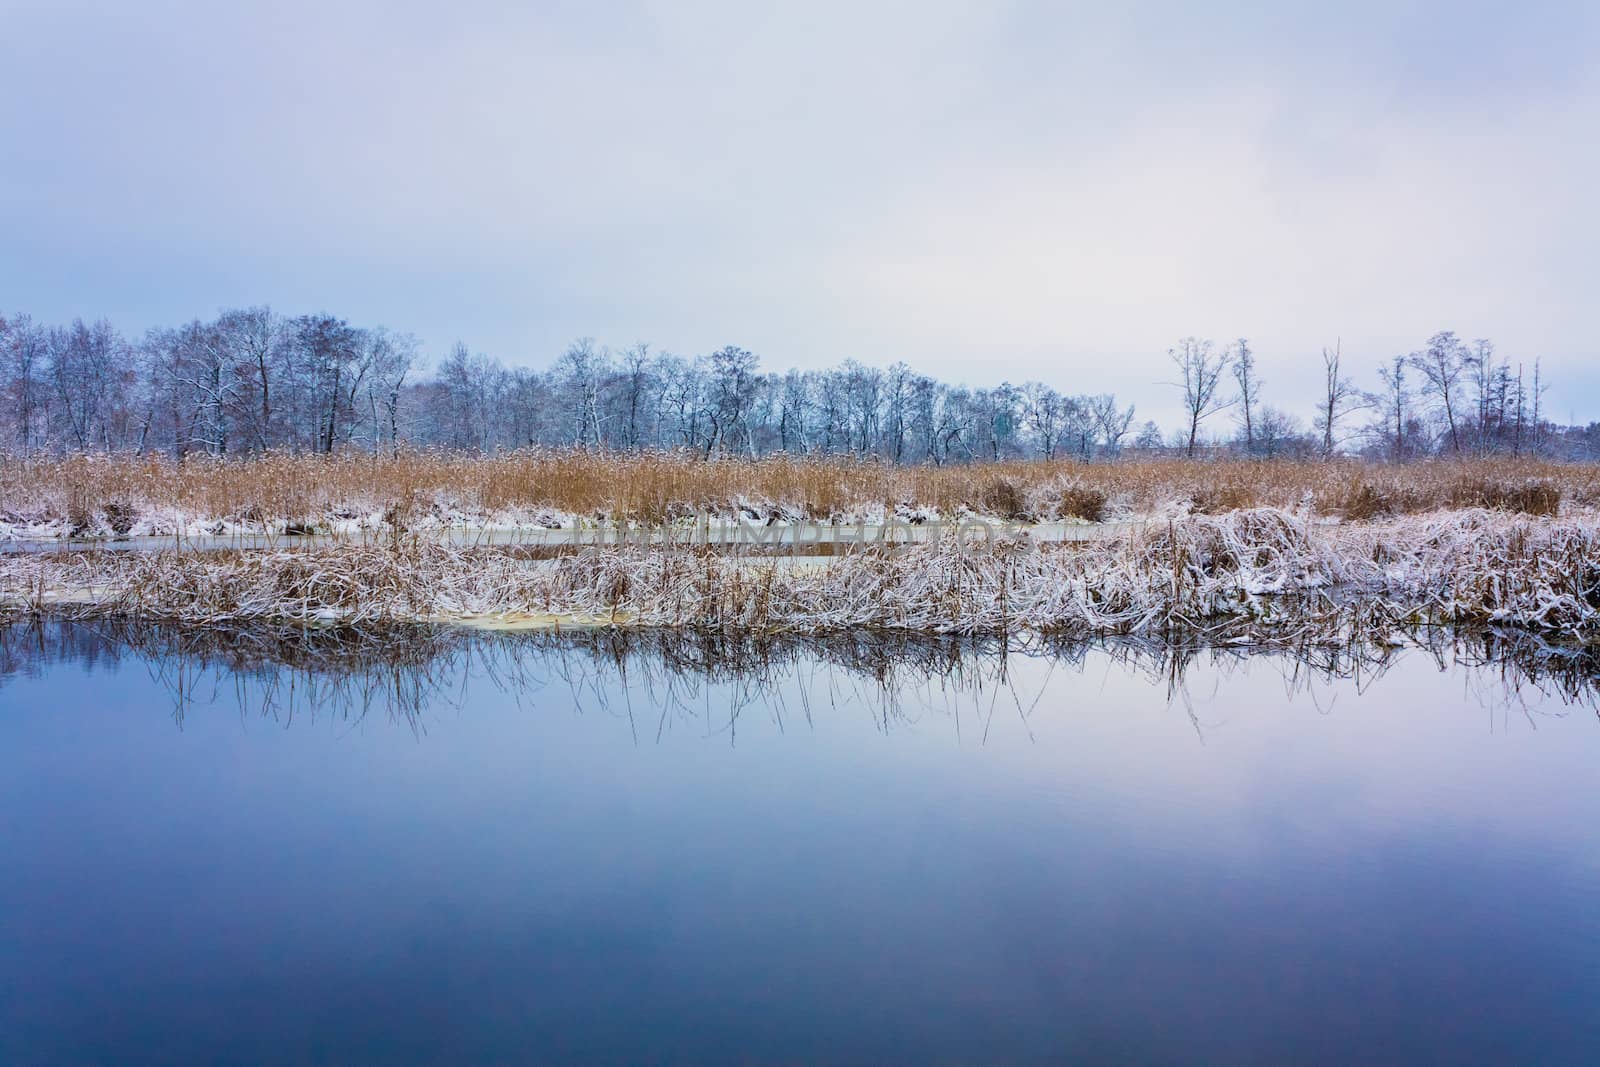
(1242, 575)
(102, 495)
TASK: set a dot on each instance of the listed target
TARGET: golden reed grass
(656, 487)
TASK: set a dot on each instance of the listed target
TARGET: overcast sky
(987, 190)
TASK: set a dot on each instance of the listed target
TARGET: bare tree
(1044, 409)
(1275, 431)
(389, 359)
(637, 380)
(582, 371)
(927, 401)
(1520, 408)
(1482, 372)
(731, 396)
(203, 371)
(1441, 365)
(251, 379)
(1394, 406)
(24, 354)
(469, 384)
(952, 436)
(1111, 423)
(683, 400)
(1537, 399)
(85, 362)
(794, 413)
(1339, 398)
(897, 391)
(1249, 399)
(1149, 438)
(326, 360)
(256, 337)
(1200, 371)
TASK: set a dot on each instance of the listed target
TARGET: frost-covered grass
(1241, 575)
(101, 496)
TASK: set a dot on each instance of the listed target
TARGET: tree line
(252, 379)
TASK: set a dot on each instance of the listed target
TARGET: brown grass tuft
(1082, 502)
(1365, 501)
(1539, 497)
(1003, 498)
(1224, 497)
(120, 517)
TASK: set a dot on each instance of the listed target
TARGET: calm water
(217, 849)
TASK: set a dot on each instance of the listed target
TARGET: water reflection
(437, 846)
(652, 678)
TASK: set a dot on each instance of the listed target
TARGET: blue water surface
(526, 851)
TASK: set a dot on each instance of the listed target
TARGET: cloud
(1011, 190)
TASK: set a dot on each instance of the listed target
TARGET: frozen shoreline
(1230, 577)
(791, 537)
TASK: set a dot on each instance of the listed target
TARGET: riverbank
(1235, 576)
(572, 495)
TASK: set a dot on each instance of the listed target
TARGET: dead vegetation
(1081, 502)
(1247, 574)
(100, 495)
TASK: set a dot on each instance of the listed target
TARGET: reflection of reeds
(401, 672)
(1238, 576)
(306, 492)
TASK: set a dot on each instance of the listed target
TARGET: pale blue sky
(985, 190)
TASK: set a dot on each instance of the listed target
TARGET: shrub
(1535, 498)
(1531, 498)
(1004, 499)
(1217, 499)
(1082, 502)
(120, 516)
(1365, 501)
(79, 516)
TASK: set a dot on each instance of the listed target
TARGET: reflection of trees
(666, 679)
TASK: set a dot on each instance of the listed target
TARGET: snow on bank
(1248, 573)
(174, 524)
(746, 526)
(44, 521)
